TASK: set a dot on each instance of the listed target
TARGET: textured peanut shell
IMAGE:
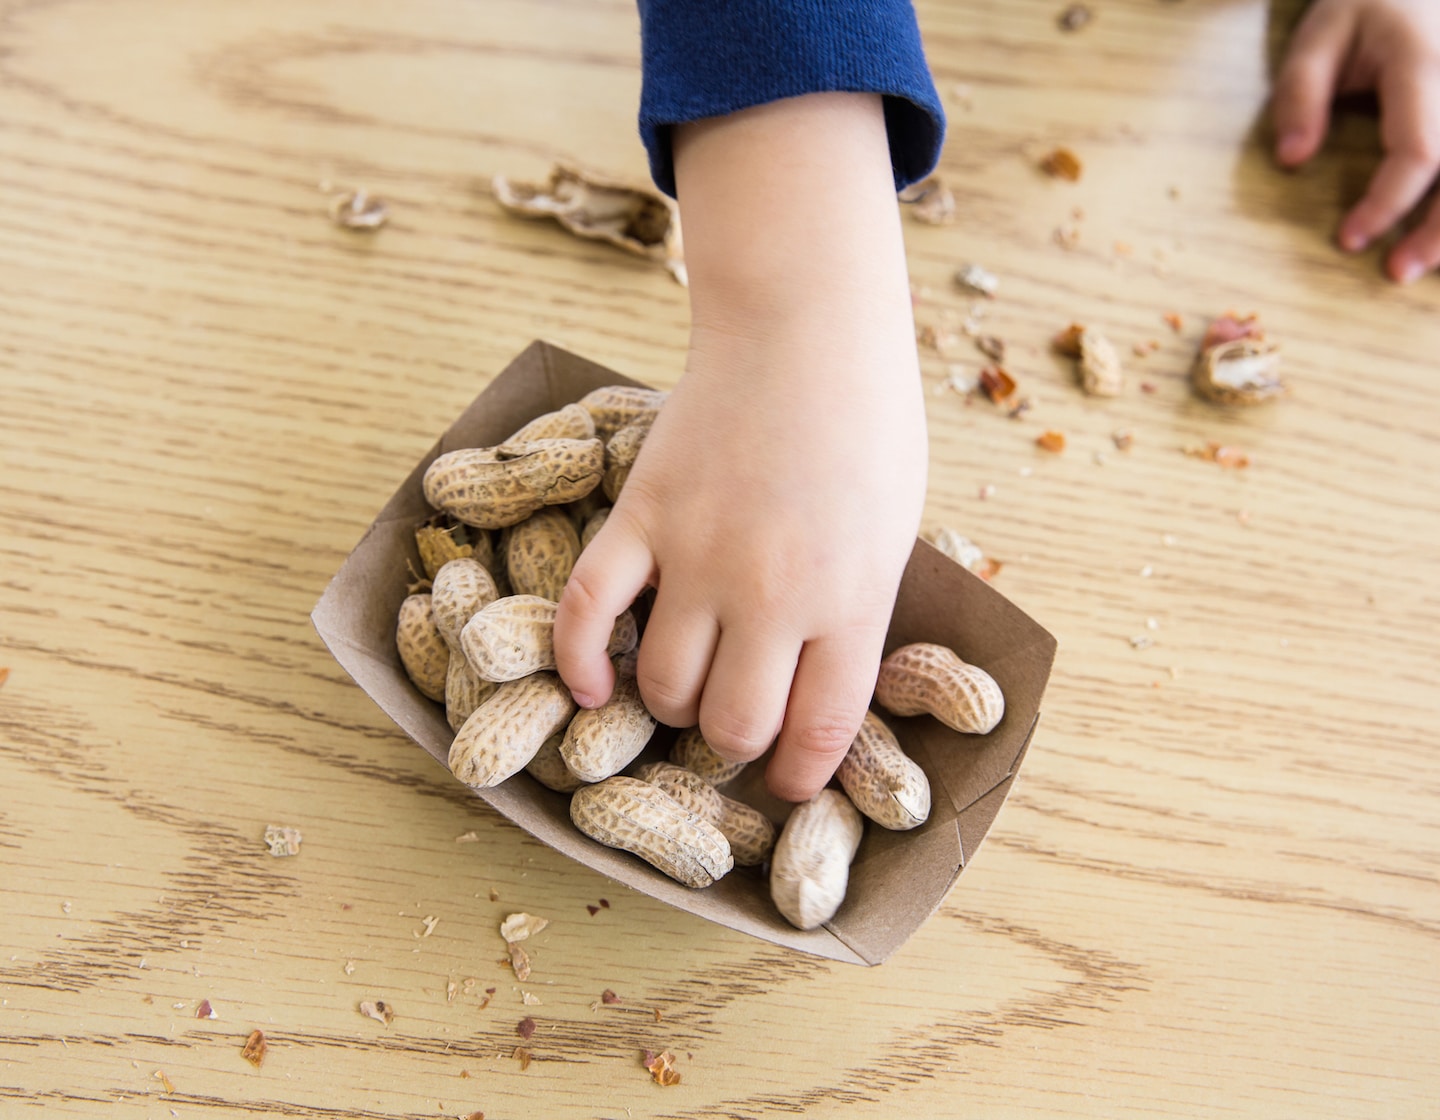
(811, 865)
(749, 831)
(1098, 366)
(540, 553)
(928, 678)
(603, 741)
(1243, 371)
(515, 636)
(442, 539)
(691, 751)
(492, 487)
(506, 732)
(461, 588)
(549, 769)
(621, 452)
(613, 407)
(633, 815)
(882, 781)
(464, 691)
(423, 651)
(586, 508)
(571, 422)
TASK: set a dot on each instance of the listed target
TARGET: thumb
(1306, 84)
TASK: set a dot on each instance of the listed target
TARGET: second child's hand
(1390, 47)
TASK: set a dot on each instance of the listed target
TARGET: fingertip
(788, 786)
(1293, 147)
(1405, 267)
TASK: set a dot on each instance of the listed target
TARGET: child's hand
(776, 500)
(1393, 48)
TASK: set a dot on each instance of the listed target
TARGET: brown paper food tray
(898, 878)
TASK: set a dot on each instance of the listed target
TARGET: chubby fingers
(1419, 251)
(1306, 83)
(834, 680)
(611, 572)
(743, 703)
(1410, 134)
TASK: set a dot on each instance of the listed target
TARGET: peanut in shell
(505, 732)
(515, 636)
(810, 868)
(881, 780)
(540, 553)
(924, 677)
(492, 487)
(423, 652)
(600, 742)
(749, 831)
(637, 817)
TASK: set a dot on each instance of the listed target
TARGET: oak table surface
(1214, 888)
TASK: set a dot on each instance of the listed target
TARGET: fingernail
(1408, 270)
(1291, 146)
(1352, 241)
(584, 699)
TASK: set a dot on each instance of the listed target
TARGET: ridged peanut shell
(749, 831)
(927, 678)
(571, 422)
(691, 751)
(506, 732)
(464, 691)
(549, 769)
(612, 407)
(635, 816)
(492, 487)
(540, 552)
(423, 651)
(603, 741)
(460, 589)
(882, 781)
(442, 539)
(621, 452)
(515, 636)
(1243, 371)
(810, 868)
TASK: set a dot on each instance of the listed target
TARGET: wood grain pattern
(1214, 890)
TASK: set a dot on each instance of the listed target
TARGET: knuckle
(583, 598)
(825, 736)
(735, 737)
(671, 700)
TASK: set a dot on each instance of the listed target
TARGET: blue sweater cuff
(709, 58)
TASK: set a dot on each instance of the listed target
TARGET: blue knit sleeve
(708, 58)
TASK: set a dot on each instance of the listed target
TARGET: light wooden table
(1214, 890)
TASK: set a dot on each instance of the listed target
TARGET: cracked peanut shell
(882, 781)
(1243, 371)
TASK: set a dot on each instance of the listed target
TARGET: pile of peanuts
(511, 521)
